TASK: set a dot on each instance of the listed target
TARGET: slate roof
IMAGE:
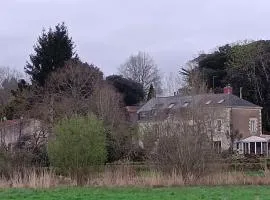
(210, 100)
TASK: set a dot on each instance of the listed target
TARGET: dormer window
(185, 104)
(221, 101)
(153, 112)
(208, 102)
(142, 115)
(171, 105)
(157, 106)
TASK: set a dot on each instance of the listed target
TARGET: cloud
(107, 32)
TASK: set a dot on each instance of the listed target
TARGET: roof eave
(246, 107)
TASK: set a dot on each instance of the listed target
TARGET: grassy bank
(188, 193)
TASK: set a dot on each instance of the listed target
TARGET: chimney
(228, 89)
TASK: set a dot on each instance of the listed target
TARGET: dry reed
(128, 176)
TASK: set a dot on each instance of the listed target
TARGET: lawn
(188, 193)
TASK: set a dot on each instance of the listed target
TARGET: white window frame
(185, 104)
(171, 105)
(253, 123)
(219, 128)
(217, 146)
(208, 102)
(221, 101)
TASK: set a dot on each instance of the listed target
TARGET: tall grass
(125, 175)
(31, 178)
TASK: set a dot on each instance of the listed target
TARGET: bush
(5, 164)
(29, 152)
(78, 144)
(177, 147)
(122, 143)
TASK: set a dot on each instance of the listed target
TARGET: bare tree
(142, 69)
(6, 73)
(180, 143)
(8, 81)
(194, 84)
(79, 89)
(70, 89)
(172, 83)
(108, 104)
(24, 140)
(182, 139)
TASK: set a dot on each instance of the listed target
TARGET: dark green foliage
(249, 68)
(9, 83)
(132, 91)
(245, 65)
(21, 101)
(151, 92)
(9, 86)
(212, 68)
(120, 143)
(22, 85)
(52, 50)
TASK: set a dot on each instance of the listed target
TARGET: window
(217, 146)
(9, 146)
(221, 101)
(153, 113)
(158, 105)
(171, 105)
(219, 123)
(209, 124)
(142, 115)
(253, 125)
(185, 104)
(208, 102)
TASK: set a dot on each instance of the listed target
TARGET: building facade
(229, 119)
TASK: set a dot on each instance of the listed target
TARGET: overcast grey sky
(106, 32)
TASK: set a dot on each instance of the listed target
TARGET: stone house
(12, 130)
(230, 119)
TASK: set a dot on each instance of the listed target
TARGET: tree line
(82, 113)
(245, 66)
(83, 121)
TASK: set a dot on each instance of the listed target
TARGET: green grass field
(184, 193)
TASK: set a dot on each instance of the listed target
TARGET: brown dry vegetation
(126, 175)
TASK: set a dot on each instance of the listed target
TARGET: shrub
(179, 147)
(78, 144)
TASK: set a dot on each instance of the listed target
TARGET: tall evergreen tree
(245, 65)
(151, 92)
(131, 90)
(52, 50)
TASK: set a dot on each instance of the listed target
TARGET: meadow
(164, 193)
